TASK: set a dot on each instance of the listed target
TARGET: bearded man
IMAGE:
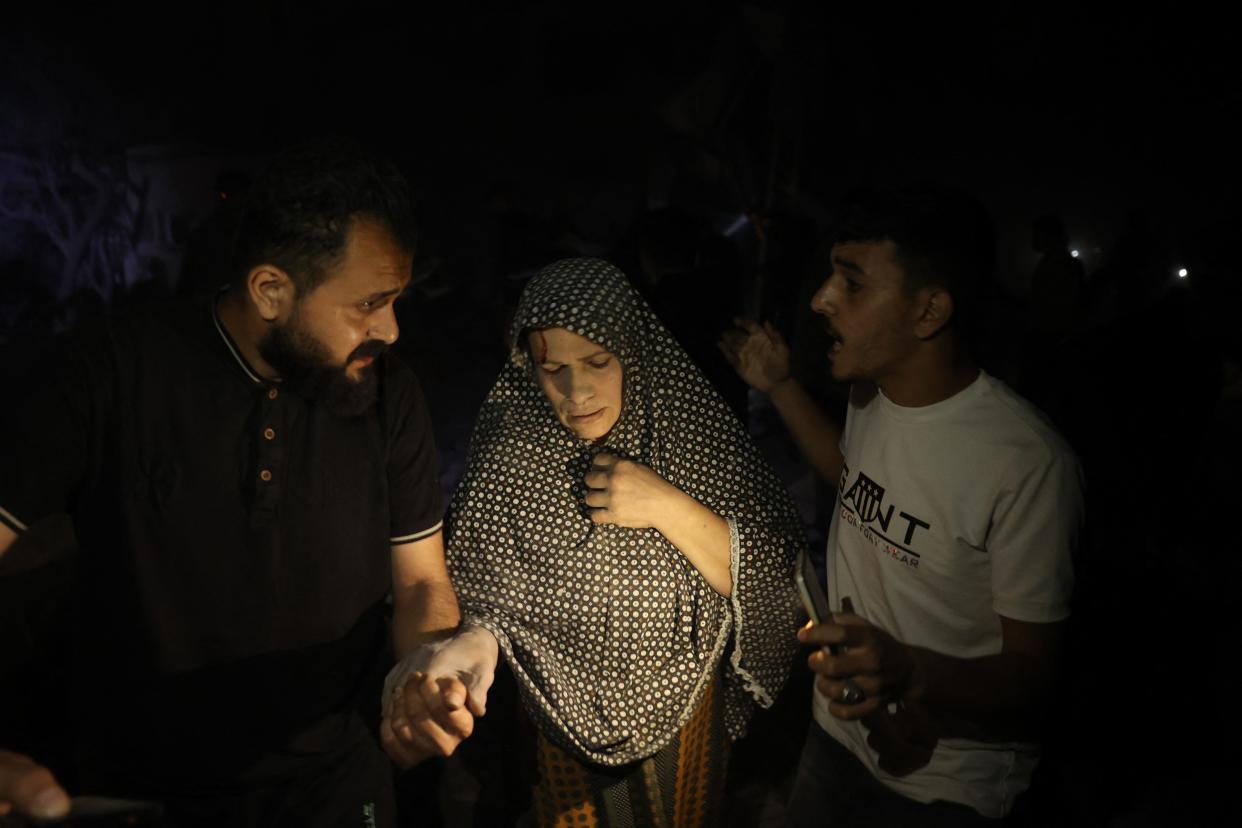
(248, 480)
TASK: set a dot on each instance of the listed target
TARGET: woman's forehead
(563, 345)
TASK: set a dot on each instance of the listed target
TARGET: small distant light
(1183, 273)
(1074, 253)
(224, 196)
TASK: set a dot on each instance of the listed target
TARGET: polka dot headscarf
(612, 634)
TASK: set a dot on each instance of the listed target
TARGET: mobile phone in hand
(813, 597)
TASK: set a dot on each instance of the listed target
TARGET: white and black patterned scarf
(613, 635)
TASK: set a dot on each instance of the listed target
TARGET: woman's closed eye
(556, 368)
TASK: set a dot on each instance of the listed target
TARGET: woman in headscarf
(620, 536)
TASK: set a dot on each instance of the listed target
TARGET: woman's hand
(626, 493)
(629, 494)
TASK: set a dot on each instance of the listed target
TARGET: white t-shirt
(948, 516)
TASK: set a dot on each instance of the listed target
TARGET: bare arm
(760, 356)
(702, 536)
(440, 682)
(991, 697)
(424, 604)
(999, 696)
(816, 435)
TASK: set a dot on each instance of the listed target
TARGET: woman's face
(580, 379)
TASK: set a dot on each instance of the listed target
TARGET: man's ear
(271, 291)
(935, 309)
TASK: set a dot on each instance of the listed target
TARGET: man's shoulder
(986, 426)
(1010, 442)
(1018, 422)
(170, 325)
(121, 342)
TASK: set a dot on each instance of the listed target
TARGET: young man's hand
(869, 662)
(757, 352)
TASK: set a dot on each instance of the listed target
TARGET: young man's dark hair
(299, 211)
(943, 237)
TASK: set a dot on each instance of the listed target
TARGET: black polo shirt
(234, 537)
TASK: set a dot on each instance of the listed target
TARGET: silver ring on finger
(851, 693)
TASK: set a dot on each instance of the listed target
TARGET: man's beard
(305, 368)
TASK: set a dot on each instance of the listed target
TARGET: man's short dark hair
(942, 236)
(298, 214)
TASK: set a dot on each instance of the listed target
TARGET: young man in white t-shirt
(949, 554)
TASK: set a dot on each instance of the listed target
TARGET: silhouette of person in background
(1058, 283)
(1056, 309)
(692, 281)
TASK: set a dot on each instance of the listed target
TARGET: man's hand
(626, 493)
(869, 660)
(432, 696)
(426, 717)
(758, 353)
(29, 789)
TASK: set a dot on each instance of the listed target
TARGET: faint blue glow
(737, 224)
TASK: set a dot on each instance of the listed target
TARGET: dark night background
(733, 129)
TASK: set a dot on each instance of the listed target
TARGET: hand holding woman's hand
(433, 695)
(626, 493)
(29, 789)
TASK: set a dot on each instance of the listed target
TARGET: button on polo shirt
(226, 525)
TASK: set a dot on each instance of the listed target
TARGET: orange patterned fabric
(679, 787)
(694, 766)
(563, 796)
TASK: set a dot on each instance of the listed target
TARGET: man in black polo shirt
(247, 480)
